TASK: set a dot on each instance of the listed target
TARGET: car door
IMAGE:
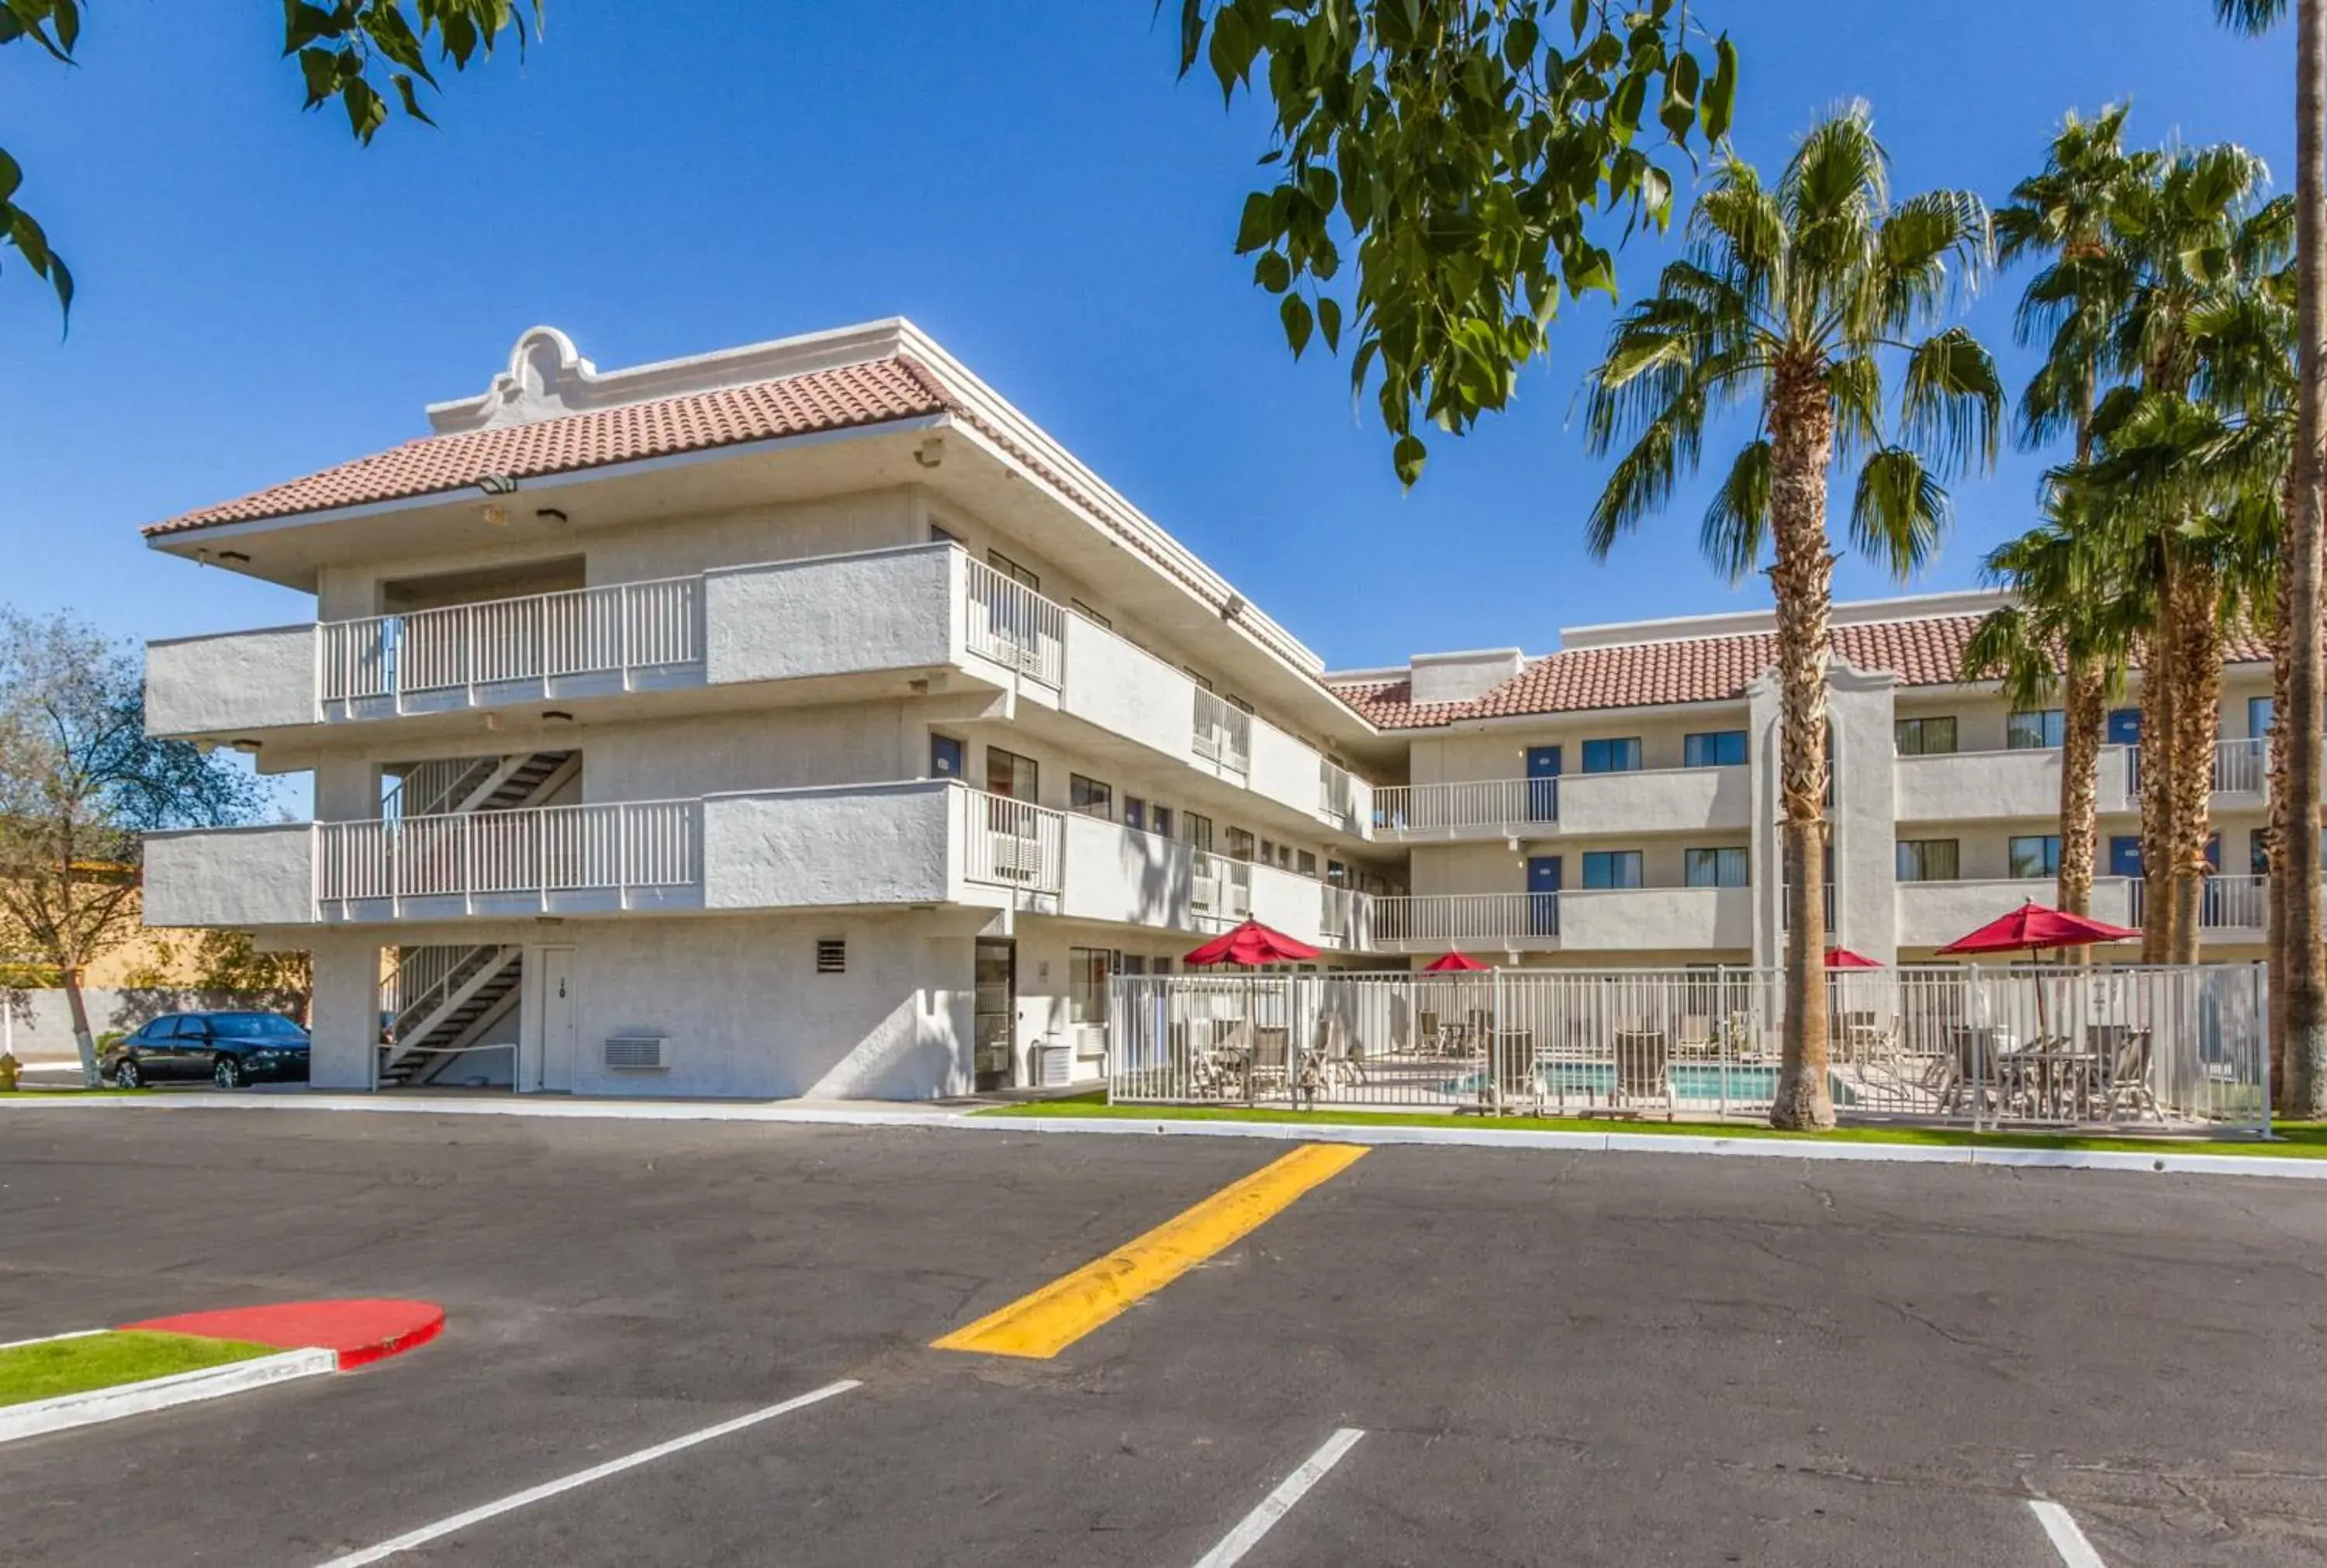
(145, 1045)
(188, 1048)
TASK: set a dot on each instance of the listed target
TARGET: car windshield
(254, 1026)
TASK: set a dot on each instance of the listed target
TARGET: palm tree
(2069, 307)
(2298, 960)
(2069, 630)
(1790, 301)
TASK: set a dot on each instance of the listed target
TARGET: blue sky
(261, 297)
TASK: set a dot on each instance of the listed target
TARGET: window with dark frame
(1929, 860)
(2034, 854)
(1934, 736)
(2033, 729)
(1090, 796)
(1618, 755)
(1716, 868)
(1611, 868)
(1009, 775)
(1714, 749)
(1013, 571)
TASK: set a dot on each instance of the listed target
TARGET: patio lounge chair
(1698, 1037)
(1643, 1068)
(2127, 1050)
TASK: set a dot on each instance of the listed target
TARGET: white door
(557, 1018)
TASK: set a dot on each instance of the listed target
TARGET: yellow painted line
(1046, 1322)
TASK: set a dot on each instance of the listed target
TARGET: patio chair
(2129, 1063)
(1427, 1037)
(1643, 1068)
(1698, 1038)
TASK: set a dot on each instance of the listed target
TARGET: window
(1135, 812)
(1928, 859)
(1088, 614)
(1202, 682)
(2259, 852)
(1612, 756)
(1306, 864)
(254, 1026)
(1159, 820)
(939, 535)
(1611, 868)
(1199, 831)
(2258, 717)
(1161, 965)
(1268, 851)
(1236, 702)
(1239, 841)
(1718, 748)
(1013, 570)
(831, 955)
(1008, 773)
(1931, 737)
(2037, 854)
(1090, 796)
(1086, 972)
(2027, 731)
(1132, 964)
(1337, 872)
(1715, 868)
(945, 756)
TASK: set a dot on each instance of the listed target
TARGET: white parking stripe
(442, 1527)
(2067, 1539)
(1274, 1507)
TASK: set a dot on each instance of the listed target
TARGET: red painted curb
(358, 1332)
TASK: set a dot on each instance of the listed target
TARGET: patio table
(2053, 1082)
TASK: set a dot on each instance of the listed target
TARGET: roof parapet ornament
(546, 377)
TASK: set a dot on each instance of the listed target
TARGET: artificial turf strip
(2297, 1140)
(59, 1367)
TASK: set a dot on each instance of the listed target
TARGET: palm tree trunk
(2081, 753)
(1801, 435)
(2282, 680)
(2295, 863)
(2158, 745)
(2197, 715)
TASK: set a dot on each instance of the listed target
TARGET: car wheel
(126, 1074)
(227, 1074)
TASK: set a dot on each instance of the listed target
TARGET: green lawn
(2306, 1140)
(59, 1367)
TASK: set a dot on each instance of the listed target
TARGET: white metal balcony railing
(1219, 887)
(1408, 810)
(1337, 794)
(1013, 625)
(541, 638)
(1461, 919)
(1222, 732)
(614, 848)
(1011, 844)
(2229, 903)
(1787, 914)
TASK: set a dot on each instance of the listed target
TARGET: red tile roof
(873, 392)
(1925, 651)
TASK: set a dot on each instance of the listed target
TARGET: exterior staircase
(439, 1001)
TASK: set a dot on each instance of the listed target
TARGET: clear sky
(1029, 182)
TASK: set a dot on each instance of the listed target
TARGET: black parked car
(229, 1049)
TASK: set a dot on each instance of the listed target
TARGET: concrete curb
(2167, 1160)
(70, 1410)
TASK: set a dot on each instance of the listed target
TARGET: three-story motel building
(802, 720)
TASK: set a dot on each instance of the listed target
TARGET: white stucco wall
(768, 749)
(864, 843)
(1113, 873)
(1290, 904)
(232, 683)
(1979, 785)
(883, 610)
(1703, 799)
(344, 1011)
(1126, 691)
(1283, 769)
(874, 520)
(1644, 919)
(235, 876)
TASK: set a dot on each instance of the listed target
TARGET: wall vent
(635, 1053)
(831, 955)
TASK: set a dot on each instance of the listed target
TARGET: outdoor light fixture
(233, 558)
(497, 516)
(1232, 607)
(249, 748)
(930, 453)
(497, 484)
(549, 516)
(557, 716)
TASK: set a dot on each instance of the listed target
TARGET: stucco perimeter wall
(239, 877)
(883, 610)
(241, 680)
(744, 1013)
(1127, 691)
(864, 843)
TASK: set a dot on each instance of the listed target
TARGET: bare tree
(80, 784)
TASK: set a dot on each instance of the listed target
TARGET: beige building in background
(800, 719)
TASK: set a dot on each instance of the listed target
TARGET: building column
(344, 1018)
(1864, 813)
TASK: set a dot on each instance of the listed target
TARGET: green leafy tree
(1463, 149)
(232, 963)
(1791, 302)
(360, 54)
(2298, 953)
(80, 784)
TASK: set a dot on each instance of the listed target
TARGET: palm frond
(1951, 403)
(1899, 511)
(1737, 520)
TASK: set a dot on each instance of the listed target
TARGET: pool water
(1690, 1081)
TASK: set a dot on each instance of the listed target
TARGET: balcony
(2235, 908)
(1931, 914)
(552, 860)
(1590, 920)
(1659, 800)
(1974, 785)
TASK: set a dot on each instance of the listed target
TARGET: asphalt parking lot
(1586, 1359)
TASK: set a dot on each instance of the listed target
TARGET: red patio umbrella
(1455, 964)
(1844, 959)
(2036, 928)
(1250, 943)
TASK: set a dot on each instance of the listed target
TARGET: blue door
(2124, 855)
(1543, 895)
(945, 757)
(1543, 789)
(2125, 727)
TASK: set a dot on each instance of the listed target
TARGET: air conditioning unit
(637, 1053)
(1055, 1065)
